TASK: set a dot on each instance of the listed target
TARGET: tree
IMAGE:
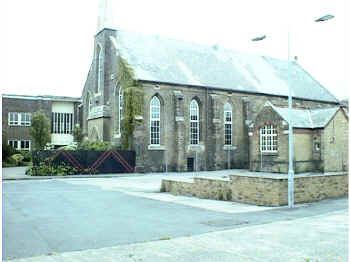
(78, 134)
(40, 130)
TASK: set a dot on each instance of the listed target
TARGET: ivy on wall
(132, 102)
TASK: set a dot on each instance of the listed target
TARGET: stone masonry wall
(335, 144)
(269, 191)
(261, 190)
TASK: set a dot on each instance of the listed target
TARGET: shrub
(18, 158)
(70, 147)
(27, 156)
(47, 168)
(7, 151)
(95, 145)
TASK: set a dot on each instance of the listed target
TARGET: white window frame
(23, 119)
(268, 135)
(18, 143)
(228, 124)
(99, 68)
(62, 120)
(154, 121)
(120, 112)
(194, 123)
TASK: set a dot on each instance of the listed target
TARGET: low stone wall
(273, 190)
(261, 189)
(212, 188)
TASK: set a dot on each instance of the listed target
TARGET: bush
(27, 156)
(95, 145)
(7, 151)
(17, 158)
(70, 147)
(47, 168)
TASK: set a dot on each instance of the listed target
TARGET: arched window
(89, 102)
(194, 123)
(228, 124)
(120, 109)
(155, 121)
(99, 67)
(268, 138)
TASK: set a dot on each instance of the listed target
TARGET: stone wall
(273, 191)
(210, 188)
(334, 143)
(261, 190)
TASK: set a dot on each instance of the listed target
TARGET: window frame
(120, 109)
(194, 123)
(155, 122)
(267, 136)
(228, 136)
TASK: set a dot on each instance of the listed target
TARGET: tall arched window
(99, 67)
(228, 124)
(120, 109)
(89, 102)
(194, 123)
(155, 121)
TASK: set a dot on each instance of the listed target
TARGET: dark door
(190, 164)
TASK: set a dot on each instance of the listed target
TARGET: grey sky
(50, 43)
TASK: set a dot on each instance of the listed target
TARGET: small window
(317, 147)
(268, 139)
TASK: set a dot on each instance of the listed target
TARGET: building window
(62, 123)
(120, 109)
(99, 67)
(155, 121)
(20, 144)
(194, 123)
(19, 119)
(268, 139)
(89, 99)
(228, 124)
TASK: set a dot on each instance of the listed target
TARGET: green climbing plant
(132, 102)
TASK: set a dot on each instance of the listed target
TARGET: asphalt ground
(127, 219)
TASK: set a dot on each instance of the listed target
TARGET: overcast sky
(49, 44)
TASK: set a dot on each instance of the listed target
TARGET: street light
(290, 132)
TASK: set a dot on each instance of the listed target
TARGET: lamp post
(290, 119)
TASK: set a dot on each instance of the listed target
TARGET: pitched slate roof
(307, 118)
(159, 59)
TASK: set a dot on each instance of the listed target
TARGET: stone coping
(179, 179)
(285, 176)
(213, 178)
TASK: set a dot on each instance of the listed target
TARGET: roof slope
(159, 59)
(307, 118)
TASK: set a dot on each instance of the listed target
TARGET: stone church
(184, 106)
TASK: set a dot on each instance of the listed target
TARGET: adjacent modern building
(184, 106)
(16, 118)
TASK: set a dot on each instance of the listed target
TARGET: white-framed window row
(268, 139)
(120, 111)
(194, 123)
(20, 144)
(62, 123)
(155, 121)
(227, 125)
(19, 119)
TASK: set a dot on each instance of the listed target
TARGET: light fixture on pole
(290, 132)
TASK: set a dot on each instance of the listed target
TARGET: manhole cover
(224, 223)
